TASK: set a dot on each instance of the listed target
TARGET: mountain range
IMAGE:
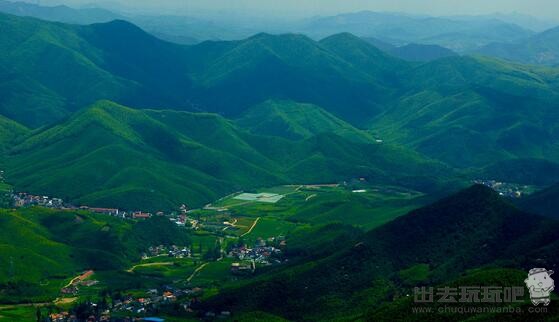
(400, 29)
(458, 33)
(541, 49)
(454, 117)
(109, 115)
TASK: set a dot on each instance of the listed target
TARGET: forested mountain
(480, 110)
(294, 120)
(213, 76)
(544, 202)
(110, 155)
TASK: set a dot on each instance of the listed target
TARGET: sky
(540, 8)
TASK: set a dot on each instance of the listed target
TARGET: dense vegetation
(222, 116)
(41, 247)
(130, 158)
(430, 246)
(110, 155)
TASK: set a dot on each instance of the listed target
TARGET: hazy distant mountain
(421, 53)
(400, 29)
(460, 34)
(412, 52)
(382, 45)
(58, 13)
(522, 20)
(542, 48)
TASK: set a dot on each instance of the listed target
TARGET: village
(244, 262)
(229, 245)
(506, 189)
(23, 199)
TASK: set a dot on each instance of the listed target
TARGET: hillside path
(251, 227)
(196, 271)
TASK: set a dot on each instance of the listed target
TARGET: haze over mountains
(458, 33)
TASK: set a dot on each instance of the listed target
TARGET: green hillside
(429, 246)
(480, 110)
(46, 72)
(110, 155)
(475, 111)
(544, 202)
(539, 172)
(41, 245)
(233, 76)
(297, 121)
(10, 132)
(144, 71)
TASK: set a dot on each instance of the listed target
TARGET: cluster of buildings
(145, 305)
(171, 251)
(67, 317)
(182, 220)
(82, 280)
(505, 189)
(261, 253)
(155, 297)
(23, 199)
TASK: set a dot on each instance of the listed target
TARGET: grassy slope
(143, 71)
(121, 157)
(296, 121)
(46, 72)
(42, 247)
(110, 155)
(10, 131)
(476, 111)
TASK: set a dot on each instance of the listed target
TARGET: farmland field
(315, 204)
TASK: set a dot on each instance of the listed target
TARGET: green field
(18, 313)
(322, 205)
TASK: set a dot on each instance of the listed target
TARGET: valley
(223, 240)
(181, 169)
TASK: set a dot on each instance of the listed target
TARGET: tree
(39, 314)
